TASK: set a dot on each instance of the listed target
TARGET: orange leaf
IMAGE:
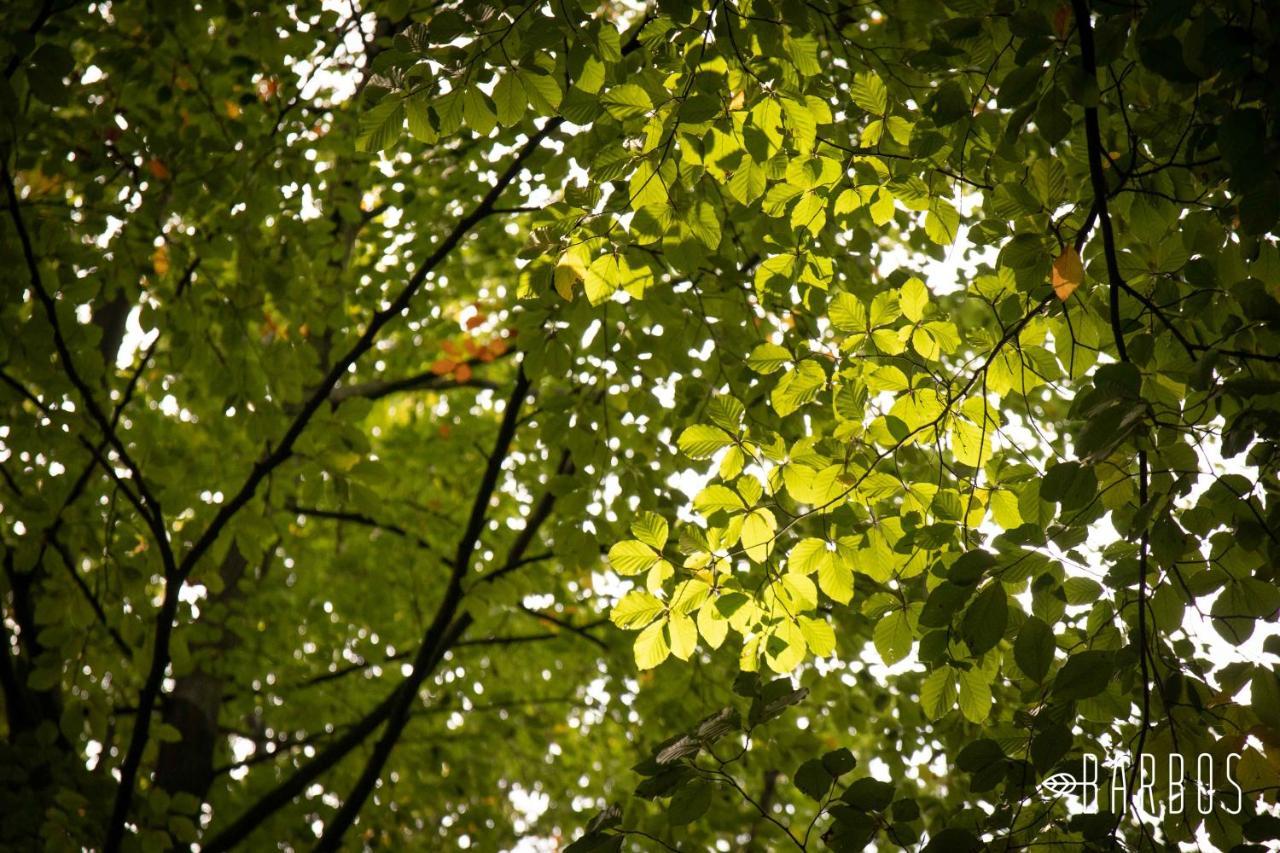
(160, 259)
(232, 108)
(462, 372)
(451, 349)
(469, 344)
(443, 366)
(497, 346)
(1068, 272)
(1062, 21)
(158, 170)
(476, 320)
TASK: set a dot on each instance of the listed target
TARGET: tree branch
(1093, 139)
(366, 521)
(426, 381)
(581, 630)
(433, 645)
(147, 505)
(272, 460)
(89, 597)
(286, 791)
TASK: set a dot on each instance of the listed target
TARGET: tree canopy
(748, 424)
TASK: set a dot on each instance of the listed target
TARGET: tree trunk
(186, 766)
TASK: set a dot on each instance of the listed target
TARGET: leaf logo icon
(1060, 784)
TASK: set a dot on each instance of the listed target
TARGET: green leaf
(626, 100)
(979, 755)
(542, 90)
(1070, 484)
(801, 124)
(509, 98)
(785, 647)
(949, 104)
(953, 840)
(1019, 85)
(1082, 590)
(380, 124)
(847, 313)
(986, 618)
(1265, 696)
(893, 636)
(768, 358)
(705, 224)
(747, 183)
(975, 695)
(869, 795)
(712, 625)
(813, 779)
(1085, 674)
(1034, 648)
(798, 386)
(690, 802)
(839, 762)
(938, 693)
(869, 93)
(478, 112)
(417, 112)
(942, 223)
(808, 556)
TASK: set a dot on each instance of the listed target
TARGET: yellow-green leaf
(758, 530)
(767, 358)
(784, 649)
(683, 634)
(636, 609)
(715, 498)
(912, 299)
(798, 386)
(938, 693)
(651, 647)
(818, 635)
(868, 91)
(882, 207)
(836, 581)
(712, 625)
(701, 441)
(651, 529)
(808, 556)
(975, 695)
(509, 98)
(631, 557)
(892, 636)
(626, 100)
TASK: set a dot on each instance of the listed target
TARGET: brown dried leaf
(1068, 272)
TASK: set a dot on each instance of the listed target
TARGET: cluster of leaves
(703, 238)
